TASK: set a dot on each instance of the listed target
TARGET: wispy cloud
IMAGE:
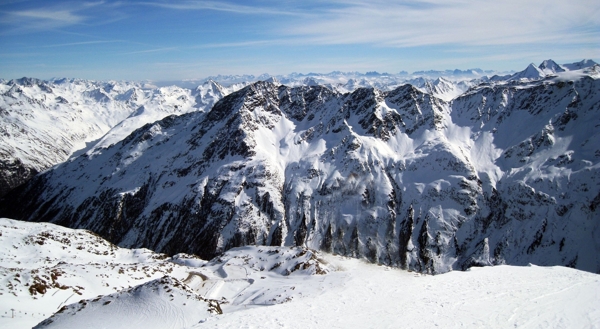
(418, 23)
(57, 15)
(61, 16)
(252, 43)
(39, 19)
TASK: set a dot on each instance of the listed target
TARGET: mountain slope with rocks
(43, 123)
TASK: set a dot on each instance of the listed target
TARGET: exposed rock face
(506, 173)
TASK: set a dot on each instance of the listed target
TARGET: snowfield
(98, 285)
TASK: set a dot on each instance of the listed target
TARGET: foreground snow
(267, 287)
(493, 297)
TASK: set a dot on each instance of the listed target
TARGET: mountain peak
(532, 72)
(549, 66)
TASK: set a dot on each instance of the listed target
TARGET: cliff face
(505, 173)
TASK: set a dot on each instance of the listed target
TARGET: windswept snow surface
(162, 303)
(268, 287)
(372, 296)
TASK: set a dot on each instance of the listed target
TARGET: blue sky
(174, 40)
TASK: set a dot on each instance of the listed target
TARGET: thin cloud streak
(151, 51)
(59, 15)
(82, 43)
(270, 42)
(62, 16)
(219, 6)
(38, 20)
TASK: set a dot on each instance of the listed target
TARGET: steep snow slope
(550, 67)
(44, 122)
(246, 140)
(532, 72)
(163, 102)
(445, 89)
(586, 63)
(506, 173)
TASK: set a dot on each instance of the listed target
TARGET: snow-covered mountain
(61, 278)
(44, 122)
(445, 89)
(532, 72)
(550, 67)
(506, 173)
(345, 82)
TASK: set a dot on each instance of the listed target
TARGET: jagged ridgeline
(505, 173)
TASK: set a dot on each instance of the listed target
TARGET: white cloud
(62, 16)
(41, 18)
(155, 50)
(80, 43)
